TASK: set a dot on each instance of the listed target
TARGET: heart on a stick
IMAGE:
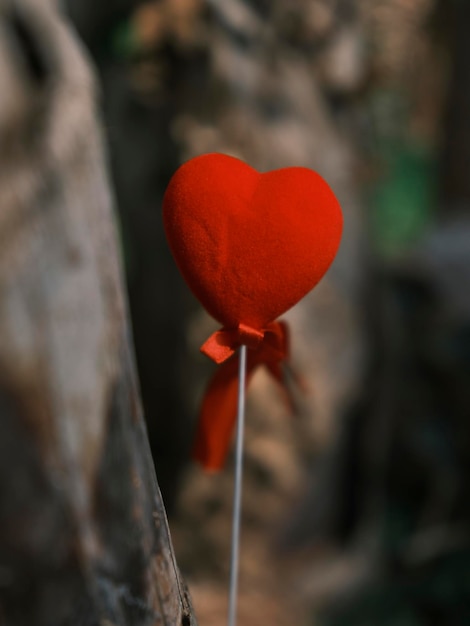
(250, 245)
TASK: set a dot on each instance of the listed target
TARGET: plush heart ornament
(249, 245)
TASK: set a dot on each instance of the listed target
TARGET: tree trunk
(83, 533)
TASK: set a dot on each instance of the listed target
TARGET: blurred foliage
(402, 200)
(437, 595)
(402, 196)
(125, 41)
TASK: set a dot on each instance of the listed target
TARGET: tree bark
(83, 533)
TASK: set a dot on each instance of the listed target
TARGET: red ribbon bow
(269, 347)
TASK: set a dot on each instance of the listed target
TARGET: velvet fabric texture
(250, 246)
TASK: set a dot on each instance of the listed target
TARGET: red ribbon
(269, 347)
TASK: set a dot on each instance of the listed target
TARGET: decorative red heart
(250, 245)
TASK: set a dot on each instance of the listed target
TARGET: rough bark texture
(83, 531)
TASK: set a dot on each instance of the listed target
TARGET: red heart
(250, 245)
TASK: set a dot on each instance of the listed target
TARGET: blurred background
(356, 509)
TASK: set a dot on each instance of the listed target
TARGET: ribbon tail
(217, 416)
(219, 407)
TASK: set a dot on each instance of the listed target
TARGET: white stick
(237, 496)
